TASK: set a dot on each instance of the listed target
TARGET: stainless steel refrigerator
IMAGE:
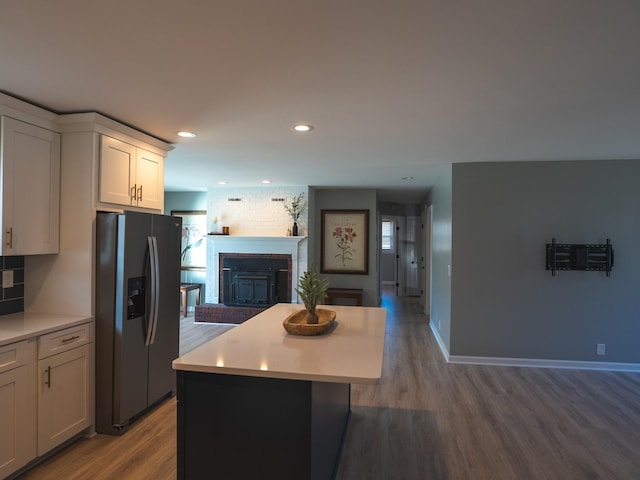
(137, 314)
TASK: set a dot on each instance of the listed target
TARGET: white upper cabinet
(117, 171)
(150, 179)
(130, 175)
(30, 163)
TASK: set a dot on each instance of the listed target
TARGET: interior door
(411, 256)
(426, 259)
(400, 255)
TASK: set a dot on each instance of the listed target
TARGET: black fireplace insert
(254, 281)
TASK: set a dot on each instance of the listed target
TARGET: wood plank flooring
(427, 420)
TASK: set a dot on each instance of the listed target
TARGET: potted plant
(312, 288)
(295, 209)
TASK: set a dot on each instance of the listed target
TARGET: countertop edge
(21, 326)
(184, 367)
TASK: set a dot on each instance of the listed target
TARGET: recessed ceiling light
(266, 181)
(187, 134)
(406, 178)
(302, 127)
(222, 182)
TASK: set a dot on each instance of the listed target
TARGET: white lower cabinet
(17, 406)
(46, 394)
(65, 385)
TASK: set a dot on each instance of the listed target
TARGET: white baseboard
(544, 363)
(443, 347)
(531, 362)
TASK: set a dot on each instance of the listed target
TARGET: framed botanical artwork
(193, 250)
(344, 241)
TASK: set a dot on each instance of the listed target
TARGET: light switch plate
(7, 278)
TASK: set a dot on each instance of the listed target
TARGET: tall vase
(294, 229)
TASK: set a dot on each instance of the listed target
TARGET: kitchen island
(257, 402)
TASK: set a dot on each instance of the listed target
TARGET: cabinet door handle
(70, 339)
(9, 237)
(140, 193)
(133, 191)
(48, 380)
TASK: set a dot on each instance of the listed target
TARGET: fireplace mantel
(243, 241)
(217, 244)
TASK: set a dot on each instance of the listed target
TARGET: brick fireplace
(267, 272)
(291, 248)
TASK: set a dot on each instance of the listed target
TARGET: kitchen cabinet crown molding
(79, 122)
(27, 112)
(98, 123)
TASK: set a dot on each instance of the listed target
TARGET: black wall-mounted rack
(585, 257)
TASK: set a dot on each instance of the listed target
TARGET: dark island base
(248, 427)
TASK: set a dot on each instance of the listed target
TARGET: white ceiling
(394, 88)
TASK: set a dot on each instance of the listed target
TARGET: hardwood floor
(427, 420)
(193, 334)
(432, 420)
(146, 451)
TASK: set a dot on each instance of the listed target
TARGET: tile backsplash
(12, 299)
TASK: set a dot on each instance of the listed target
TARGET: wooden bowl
(296, 323)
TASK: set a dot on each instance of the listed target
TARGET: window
(387, 235)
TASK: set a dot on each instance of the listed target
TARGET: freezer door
(168, 231)
(130, 353)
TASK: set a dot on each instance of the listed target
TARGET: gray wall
(346, 199)
(440, 317)
(504, 302)
(184, 201)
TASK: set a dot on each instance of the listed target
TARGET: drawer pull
(48, 380)
(70, 339)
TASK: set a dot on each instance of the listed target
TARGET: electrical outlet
(599, 348)
(7, 278)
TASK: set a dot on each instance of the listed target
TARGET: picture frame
(193, 247)
(344, 242)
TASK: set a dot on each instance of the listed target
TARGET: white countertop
(260, 347)
(24, 325)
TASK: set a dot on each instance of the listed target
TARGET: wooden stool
(352, 293)
(186, 288)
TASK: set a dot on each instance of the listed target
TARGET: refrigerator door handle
(156, 289)
(152, 291)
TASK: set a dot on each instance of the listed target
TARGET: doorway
(401, 254)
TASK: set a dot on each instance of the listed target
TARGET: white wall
(256, 214)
